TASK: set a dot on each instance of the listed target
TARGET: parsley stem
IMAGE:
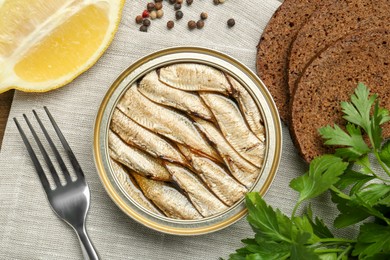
(330, 250)
(295, 209)
(345, 252)
(340, 193)
(336, 239)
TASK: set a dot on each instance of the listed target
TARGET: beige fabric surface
(28, 227)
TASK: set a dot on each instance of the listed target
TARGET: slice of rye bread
(332, 78)
(274, 47)
(330, 23)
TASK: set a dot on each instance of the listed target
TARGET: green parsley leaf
(324, 171)
(353, 140)
(354, 178)
(384, 154)
(374, 193)
(373, 239)
(318, 225)
(358, 110)
(350, 212)
(303, 224)
(265, 221)
(299, 251)
(376, 130)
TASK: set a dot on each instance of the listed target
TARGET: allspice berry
(138, 19)
(158, 6)
(179, 1)
(170, 24)
(191, 25)
(200, 24)
(231, 22)
(204, 16)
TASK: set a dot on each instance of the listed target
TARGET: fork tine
(44, 153)
(54, 149)
(37, 165)
(72, 157)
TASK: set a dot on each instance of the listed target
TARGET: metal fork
(69, 201)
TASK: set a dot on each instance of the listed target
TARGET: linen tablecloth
(28, 227)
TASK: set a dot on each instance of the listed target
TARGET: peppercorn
(170, 24)
(231, 22)
(204, 16)
(191, 24)
(200, 24)
(158, 1)
(158, 6)
(145, 14)
(153, 15)
(189, 2)
(160, 13)
(146, 22)
(143, 28)
(138, 19)
(179, 15)
(150, 6)
(172, 2)
(221, 1)
(177, 6)
(179, 1)
(216, 2)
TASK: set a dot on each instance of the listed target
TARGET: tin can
(165, 57)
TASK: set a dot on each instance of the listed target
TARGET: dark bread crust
(331, 78)
(330, 23)
(274, 48)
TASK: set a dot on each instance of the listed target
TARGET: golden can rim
(175, 55)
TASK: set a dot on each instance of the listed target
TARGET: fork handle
(87, 247)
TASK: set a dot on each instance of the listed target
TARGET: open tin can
(136, 71)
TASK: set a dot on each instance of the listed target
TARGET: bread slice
(274, 45)
(331, 78)
(330, 23)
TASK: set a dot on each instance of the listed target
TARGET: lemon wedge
(45, 44)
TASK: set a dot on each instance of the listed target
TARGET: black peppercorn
(216, 2)
(189, 2)
(177, 6)
(231, 22)
(170, 24)
(146, 22)
(172, 2)
(138, 19)
(143, 28)
(191, 24)
(204, 16)
(150, 6)
(179, 15)
(200, 24)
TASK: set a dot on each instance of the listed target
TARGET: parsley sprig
(360, 193)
